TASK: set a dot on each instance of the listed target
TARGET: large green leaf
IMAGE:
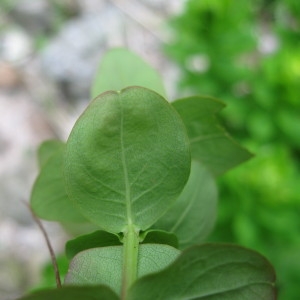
(49, 199)
(120, 68)
(210, 144)
(210, 272)
(104, 265)
(193, 215)
(74, 293)
(127, 159)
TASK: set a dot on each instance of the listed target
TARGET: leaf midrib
(125, 170)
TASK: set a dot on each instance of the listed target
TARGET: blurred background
(246, 53)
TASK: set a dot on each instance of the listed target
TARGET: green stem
(130, 259)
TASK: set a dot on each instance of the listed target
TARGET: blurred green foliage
(247, 53)
(48, 279)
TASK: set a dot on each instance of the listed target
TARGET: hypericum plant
(140, 170)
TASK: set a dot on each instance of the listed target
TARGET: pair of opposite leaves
(210, 146)
(146, 140)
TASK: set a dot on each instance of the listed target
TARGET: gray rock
(71, 58)
(15, 45)
(35, 16)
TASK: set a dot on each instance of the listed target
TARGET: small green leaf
(159, 237)
(154, 257)
(47, 149)
(102, 238)
(120, 68)
(192, 216)
(104, 265)
(96, 239)
(210, 143)
(49, 199)
(74, 292)
(210, 272)
(127, 159)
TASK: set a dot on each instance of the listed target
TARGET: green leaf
(75, 229)
(192, 216)
(210, 272)
(102, 238)
(96, 239)
(104, 265)
(120, 68)
(47, 149)
(127, 159)
(74, 292)
(49, 199)
(210, 144)
(153, 236)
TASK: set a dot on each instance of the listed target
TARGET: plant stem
(52, 254)
(130, 259)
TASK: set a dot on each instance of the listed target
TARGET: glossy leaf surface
(127, 159)
(104, 265)
(74, 292)
(210, 272)
(120, 68)
(192, 216)
(49, 199)
(210, 143)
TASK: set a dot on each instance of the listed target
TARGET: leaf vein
(206, 271)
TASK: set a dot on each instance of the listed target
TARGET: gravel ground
(49, 51)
